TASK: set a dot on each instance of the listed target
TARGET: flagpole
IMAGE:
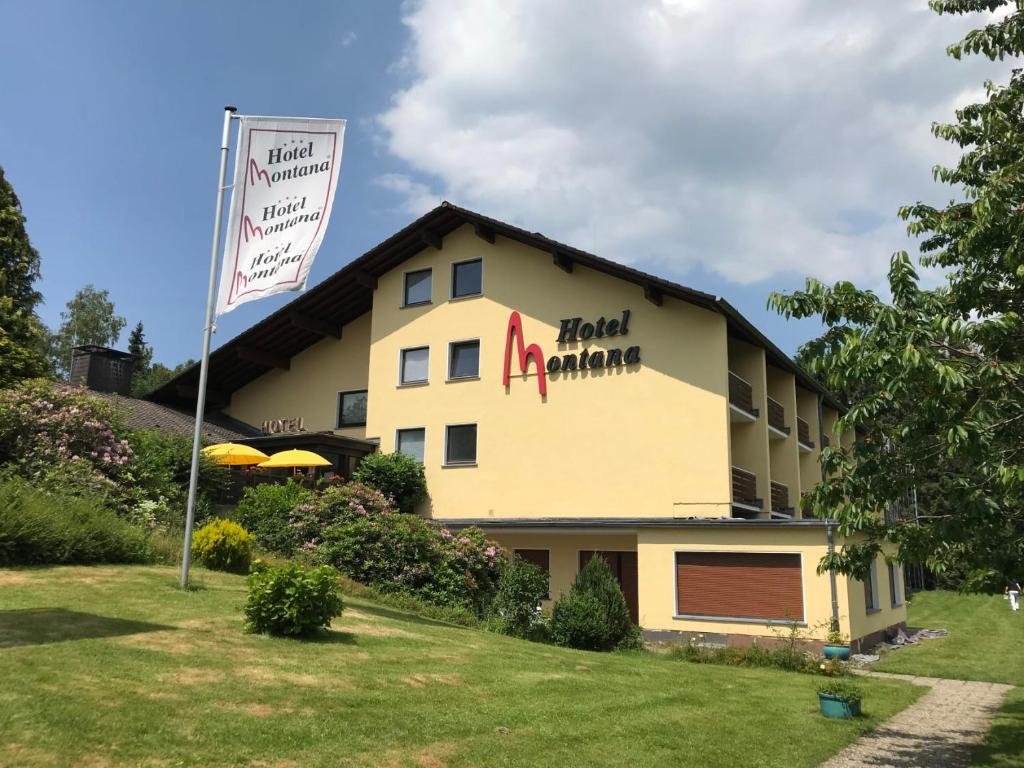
(197, 437)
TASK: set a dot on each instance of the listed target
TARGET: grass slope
(984, 640)
(113, 666)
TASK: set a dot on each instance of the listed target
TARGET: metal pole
(197, 437)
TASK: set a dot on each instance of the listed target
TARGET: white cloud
(751, 138)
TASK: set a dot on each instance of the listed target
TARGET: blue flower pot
(832, 706)
(837, 652)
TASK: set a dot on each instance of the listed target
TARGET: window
(414, 365)
(895, 582)
(417, 288)
(467, 278)
(871, 590)
(411, 442)
(539, 557)
(460, 444)
(352, 408)
(740, 585)
(463, 359)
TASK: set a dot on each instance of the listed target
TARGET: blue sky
(732, 150)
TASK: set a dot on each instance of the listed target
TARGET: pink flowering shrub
(357, 530)
(55, 434)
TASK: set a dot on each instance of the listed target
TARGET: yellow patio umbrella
(296, 458)
(234, 454)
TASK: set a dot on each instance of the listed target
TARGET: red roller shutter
(746, 585)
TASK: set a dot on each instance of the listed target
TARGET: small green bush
(753, 656)
(266, 511)
(37, 527)
(516, 607)
(594, 615)
(291, 600)
(223, 545)
(841, 688)
(395, 475)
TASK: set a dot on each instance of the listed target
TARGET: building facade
(571, 406)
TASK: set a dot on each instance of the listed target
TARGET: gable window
(871, 590)
(467, 278)
(411, 442)
(464, 359)
(460, 444)
(414, 365)
(352, 408)
(417, 288)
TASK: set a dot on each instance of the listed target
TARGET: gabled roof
(348, 294)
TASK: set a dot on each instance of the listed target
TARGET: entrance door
(623, 565)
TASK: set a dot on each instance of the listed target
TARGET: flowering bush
(396, 475)
(357, 530)
(48, 428)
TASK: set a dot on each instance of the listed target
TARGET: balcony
(777, 429)
(780, 501)
(744, 494)
(741, 400)
(803, 435)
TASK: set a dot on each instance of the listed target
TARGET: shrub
(594, 615)
(395, 475)
(223, 545)
(37, 527)
(355, 529)
(841, 688)
(752, 656)
(291, 600)
(266, 511)
(516, 607)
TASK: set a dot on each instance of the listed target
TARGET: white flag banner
(286, 171)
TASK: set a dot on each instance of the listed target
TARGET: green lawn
(984, 643)
(113, 666)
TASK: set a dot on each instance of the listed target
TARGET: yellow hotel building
(569, 405)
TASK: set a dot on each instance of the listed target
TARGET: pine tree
(143, 357)
(21, 333)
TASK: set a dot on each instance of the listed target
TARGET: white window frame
(405, 291)
(736, 619)
(451, 279)
(876, 605)
(401, 367)
(411, 429)
(896, 584)
(448, 368)
(476, 458)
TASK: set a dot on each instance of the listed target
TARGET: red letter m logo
(515, 329)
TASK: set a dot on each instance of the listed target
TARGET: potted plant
(836, 646)
(840, 698)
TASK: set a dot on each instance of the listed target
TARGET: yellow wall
(646, 441)
(864, 623)
(309, 389)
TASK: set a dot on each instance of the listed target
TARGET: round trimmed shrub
(594, 615)
(290, 600)
(395, 475)
(223, 545)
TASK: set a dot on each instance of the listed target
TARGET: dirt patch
(423, 679)
(435, 755)
(270, 676)
(15, 578)
(192, 676)
(377, 630)
(542, 676)
(256, 709)
(23, 754)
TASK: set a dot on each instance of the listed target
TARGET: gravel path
(938, 731)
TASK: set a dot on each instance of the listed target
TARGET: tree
(935, 377)
(87, 319)
(143, 358)
(21, 333)
(156, 376)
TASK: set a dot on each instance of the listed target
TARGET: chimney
(102, 369)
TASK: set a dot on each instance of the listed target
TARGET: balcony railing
(780, 498)
(803, 433)
(777, 416)
(744, 488)
(741, 394)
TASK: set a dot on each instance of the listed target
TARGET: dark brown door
(623, 566)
